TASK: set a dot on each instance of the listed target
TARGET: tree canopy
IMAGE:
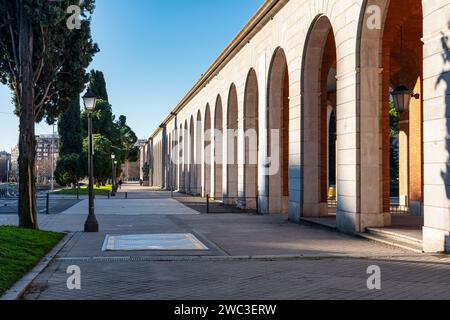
(59, 56)
(102, 157)
(118, 132)
(69, 128)
(44, 63)
(97, 85)
(69, 170)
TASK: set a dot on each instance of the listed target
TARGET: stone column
(241, 202)
(263, 134)
(403, 148)
(416, 153)
(436, 117)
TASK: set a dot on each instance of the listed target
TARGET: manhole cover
(182, 241)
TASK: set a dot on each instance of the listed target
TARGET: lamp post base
(91, 227)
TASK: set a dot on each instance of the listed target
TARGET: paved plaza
(248, 257)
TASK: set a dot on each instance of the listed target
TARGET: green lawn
(20, 251)
(99, 191)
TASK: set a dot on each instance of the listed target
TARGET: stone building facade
(5, 166)
(256, 126)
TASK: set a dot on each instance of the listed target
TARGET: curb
(19, 288)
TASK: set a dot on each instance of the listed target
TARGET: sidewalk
(249, 257)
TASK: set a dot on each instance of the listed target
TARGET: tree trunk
(27, 140)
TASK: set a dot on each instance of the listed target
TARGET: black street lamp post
(116, 184)
(113, 180)
(91, 224)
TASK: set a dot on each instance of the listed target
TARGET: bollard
(78, 192)
(257, 205)
(48, 203)
(126, 195)
(207, 204)
(171, 192)
(109, 195)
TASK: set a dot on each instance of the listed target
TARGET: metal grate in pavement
(144, 242)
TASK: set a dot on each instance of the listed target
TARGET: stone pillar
(403, 147)
(241, 202)
(416, 153)
(151, 162)
(142, 154)
(294, 146)
(164, 175)
(213, 148)
(263, 134)
(225, 139)
(436, 123)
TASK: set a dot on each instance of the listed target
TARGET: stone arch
(251, 140)
(207, 152)
(277, 171)
(218, 149)
(383, 55)
(198, 154)
(318, 85)
(232, 145)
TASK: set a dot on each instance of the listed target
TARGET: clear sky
(152, 53)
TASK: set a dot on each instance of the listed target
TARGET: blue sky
(152, 53)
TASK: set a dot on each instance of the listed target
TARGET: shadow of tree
(445, 77)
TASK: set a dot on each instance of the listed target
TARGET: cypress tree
(69, 127)
(97, 85)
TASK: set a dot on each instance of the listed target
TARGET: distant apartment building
(5, 165)
(47, 154)
(131, 171)
(14, 170)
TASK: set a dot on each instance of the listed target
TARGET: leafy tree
(102, 121)
(69, 170)
(97, 85)
(102, 158)
(69, 127)
(128, 140)
(118, 132)
(394, 150)
(43, 62)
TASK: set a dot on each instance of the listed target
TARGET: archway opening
(402, 131)
(278, 135)
(180, 160)
(218, 150)
(319, 127)
(170, 163)
(198, 155)
(232, 146)
(192, 185)
(251, 142)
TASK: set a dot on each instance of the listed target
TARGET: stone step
(396, 240)
(391, 234)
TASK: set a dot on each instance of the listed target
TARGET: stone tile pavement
(250, 257)
(246, 279)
